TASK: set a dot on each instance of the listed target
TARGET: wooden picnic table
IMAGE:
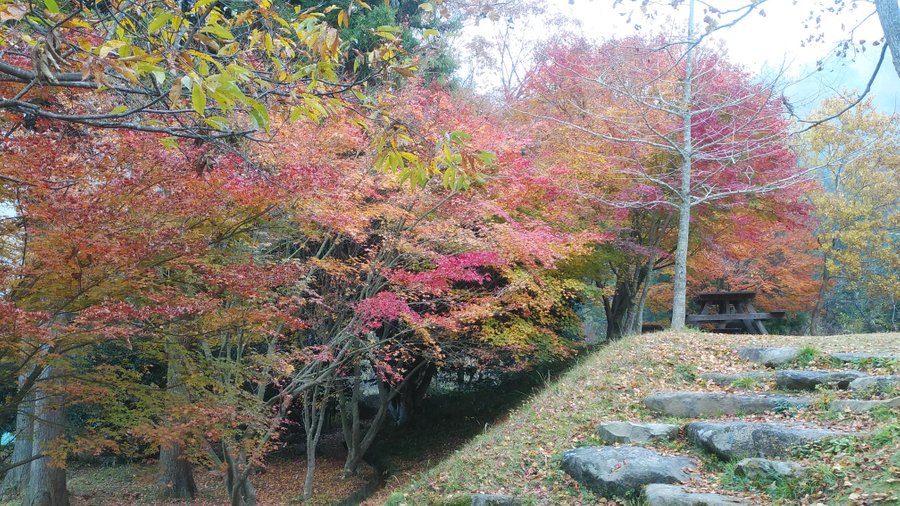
(722, 308)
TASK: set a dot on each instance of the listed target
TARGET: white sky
(756, 42)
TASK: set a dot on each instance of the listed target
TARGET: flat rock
(854, 357)
(674, 495)
(494, 500)
(728, 379)
(620, 471)
(809, 380)
(857, 406)
(761, 469)
(876, 384)
(737, 440)
(630, 432)
(770, 357)
(702, 404)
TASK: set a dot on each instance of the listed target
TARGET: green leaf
(52, 6)
(260, 117)
(218, 31)
(202, 3)
(159, 21)
(198, 98)
(296, 112)
(487, 157)
(169, 142)
(431, 32)
(159, 76)
(119, 109)
(217, 122)
(459, 136)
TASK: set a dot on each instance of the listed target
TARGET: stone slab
(759, 469)
(711, 404)
(737, 440)
(623, 471)
(858, 406)
(631, 432)
(794, 379)
(674, 495)
(769, 356)
(728, 379)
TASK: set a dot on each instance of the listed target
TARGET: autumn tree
(191, 69)
(729, 141)
(412, 261)
(857, 209)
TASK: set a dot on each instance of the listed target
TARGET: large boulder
(876, 384)
(704, 404)
(809, 380)
(855, 357)
(622, 471)
(857, 406)
(673, 495)
(729, 379)
(758, 469)
(770, 357)
(737, 440)
(631, 433)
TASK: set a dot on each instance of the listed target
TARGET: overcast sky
(757, 42)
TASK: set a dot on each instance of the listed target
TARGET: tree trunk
(407, 403)
(357, 442)
(315, 404)
(47, 480)
(310, 468)
(177, 479)
(16, 479)
(177, 474)
(645, 289)
(679, 302)
(237, 479)
(889, 15)
(818, 312)
(616, 309)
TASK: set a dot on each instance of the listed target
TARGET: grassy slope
(521, 456)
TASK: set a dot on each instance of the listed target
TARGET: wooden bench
(722, 308)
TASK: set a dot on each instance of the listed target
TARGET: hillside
(522, 456)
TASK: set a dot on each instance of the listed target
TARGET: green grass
(744, 383)
(687, 373)
(529, 444)
(521, 456)
(808, 355)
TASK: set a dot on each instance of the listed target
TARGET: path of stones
(626, 468)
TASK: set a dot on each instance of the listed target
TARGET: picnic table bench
(722, 308)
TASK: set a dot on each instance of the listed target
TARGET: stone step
(810, 379)
(611, 471)
(711, 404)
(857, 406)
(758, 469)
(728, 379)
(674, 495)
(876, 384)
(495, 500)
(855, 357)
(633, 433)
(769, 356)
(737, 440)
(774, 356)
